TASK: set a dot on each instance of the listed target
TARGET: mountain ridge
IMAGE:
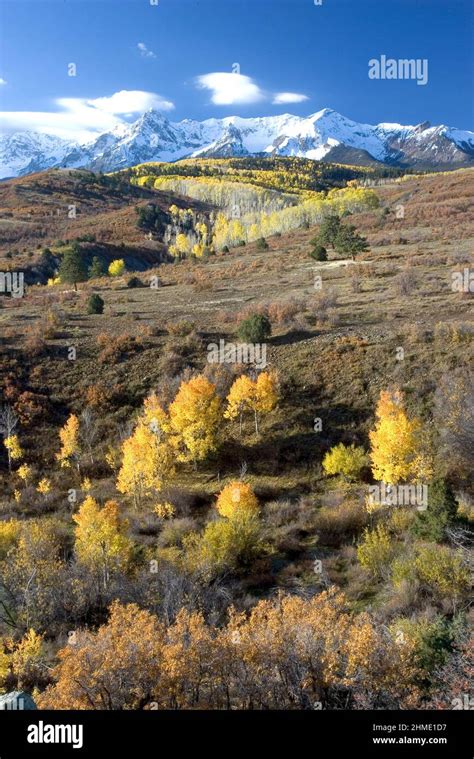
(320, 136)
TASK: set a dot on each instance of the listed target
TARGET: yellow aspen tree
(155, 416)
(394, 441)
(182, 244)
(194, 417)
(27, 657)
(258, 397)
(146, 462)
(240, 399)
(69, 436)
(14, 449)
(44, 486)
(101, 545)
(266, 395)
(24, 472)
(117, 267)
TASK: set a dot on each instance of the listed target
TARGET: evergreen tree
(329, 230)
(96, 269)
(441, 512)
(72, 268)
(349, 241)
(255, 329)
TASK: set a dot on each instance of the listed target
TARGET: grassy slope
(332, 369)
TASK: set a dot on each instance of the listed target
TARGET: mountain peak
(152, 137)
(324, 113)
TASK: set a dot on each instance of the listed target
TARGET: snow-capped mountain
(324, 135)
(25, 152)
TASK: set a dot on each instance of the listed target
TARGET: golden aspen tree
(117, 267)
(9, 535)
(101, 542)
(69, 436)
(246, 395)
(27, 657)
(14, 449)
(240, 399)
(266, 395)
(44, 486)
(348, 460)
(24, 472)
(155, 416)
(194, 418)
(4, 666)
(146, 462)
(182, 244)
(395, 441)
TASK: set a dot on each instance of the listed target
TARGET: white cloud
(2, 80)
(231, 89)
(130, 101)
(238, 89)
(288, 97)
(83, 119)
(144, 51)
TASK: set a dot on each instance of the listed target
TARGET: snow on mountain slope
(25, 152)
(153, 138)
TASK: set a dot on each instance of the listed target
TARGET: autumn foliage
(285, 653)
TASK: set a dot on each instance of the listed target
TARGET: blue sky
(294, 56)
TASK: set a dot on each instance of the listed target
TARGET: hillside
(41, 209)
(343, 333)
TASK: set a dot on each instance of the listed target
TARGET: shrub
(261, 244)
(255, 329)
(181, 328)
(440, 570)
(174, 532)
(443, 571)
(283, 312)
(319, 253)
(431, 639)
(95, 304)
(224, 544)
(135, 282)
(405, 282)
(114, 348)
(337, 524)
(376, 551)
(346, 460)
(235, 499)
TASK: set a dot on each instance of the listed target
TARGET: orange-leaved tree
(237, 499)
